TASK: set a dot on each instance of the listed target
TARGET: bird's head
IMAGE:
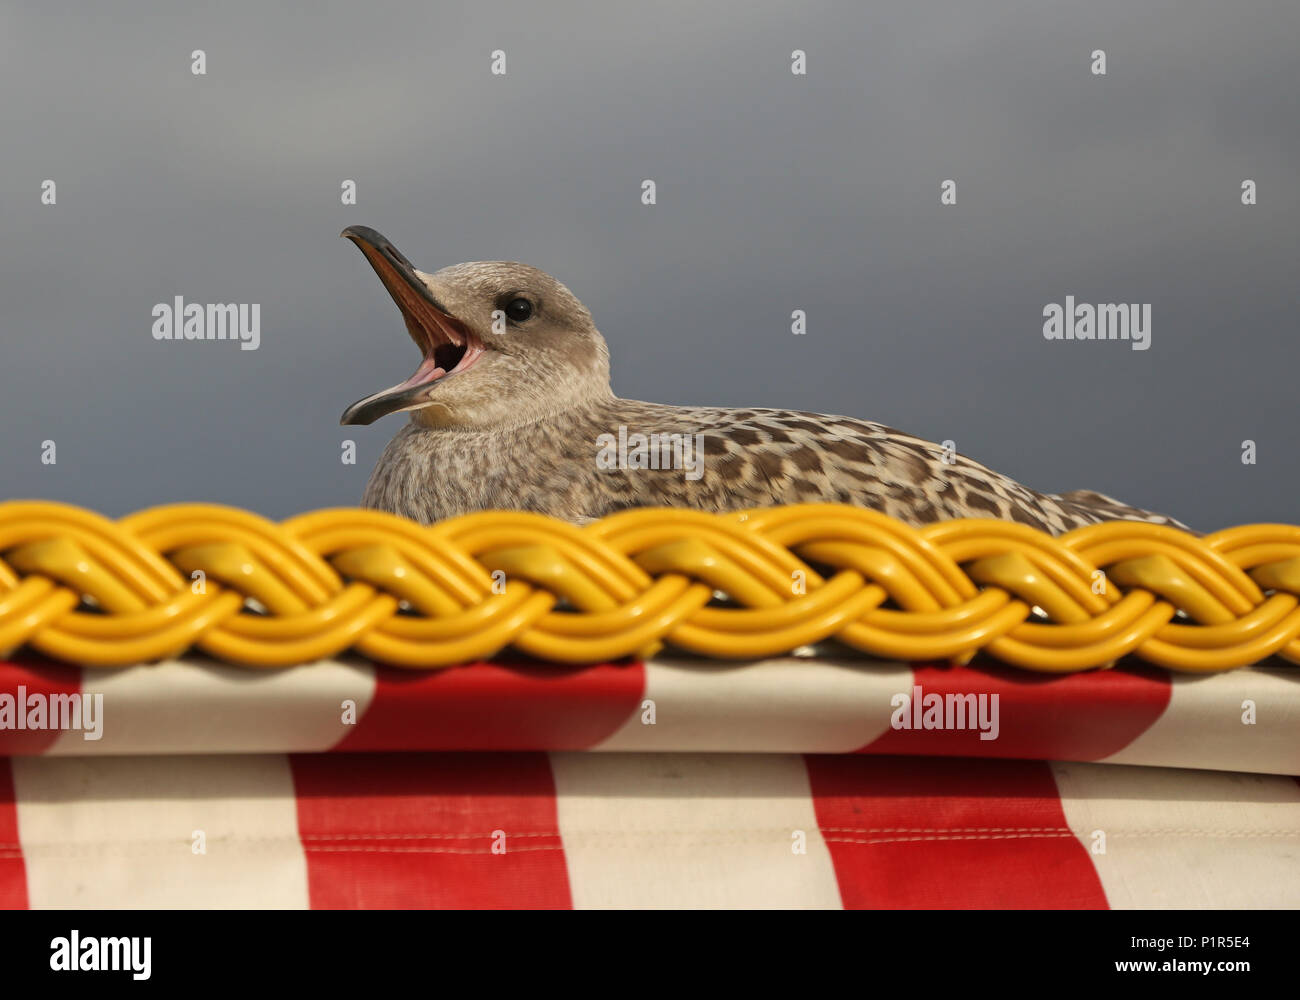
(502, 343)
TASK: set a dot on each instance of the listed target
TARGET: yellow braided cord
(81, 588)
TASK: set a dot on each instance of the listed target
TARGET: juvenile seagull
(511, 404)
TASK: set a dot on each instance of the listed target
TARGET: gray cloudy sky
(775, 193)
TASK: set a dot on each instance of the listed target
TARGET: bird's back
(618, 453)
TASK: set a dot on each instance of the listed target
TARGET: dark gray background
(775, 193)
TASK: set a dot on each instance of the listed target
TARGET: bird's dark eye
(519, 310)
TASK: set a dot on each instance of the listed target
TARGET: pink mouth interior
(431, 370)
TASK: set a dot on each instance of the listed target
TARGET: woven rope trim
(81, 588)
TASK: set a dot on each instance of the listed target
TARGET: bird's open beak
(447, 344)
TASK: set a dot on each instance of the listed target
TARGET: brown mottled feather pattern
(751, 458)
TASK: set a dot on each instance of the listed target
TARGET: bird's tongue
(446, 358)
(429, 371)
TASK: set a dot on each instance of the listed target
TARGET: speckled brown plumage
(751, 458)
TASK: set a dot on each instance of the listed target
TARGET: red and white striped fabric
(781, 783)
(1241, 720)
(639, 830)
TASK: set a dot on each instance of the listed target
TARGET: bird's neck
(513, 420)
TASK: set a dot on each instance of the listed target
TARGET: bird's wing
(761, 457)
